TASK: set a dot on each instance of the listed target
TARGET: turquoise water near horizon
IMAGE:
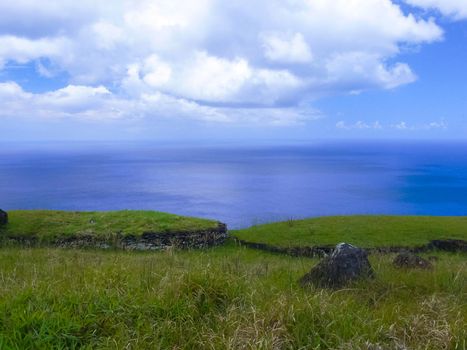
(239, 185)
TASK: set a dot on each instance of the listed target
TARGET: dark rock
(409, 261)
(3, 217)
(347, 263)
(449, 245)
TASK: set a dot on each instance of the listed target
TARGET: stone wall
(151, 240)
(448, 245)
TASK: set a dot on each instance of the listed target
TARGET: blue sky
(211, 70)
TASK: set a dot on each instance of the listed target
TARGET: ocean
(239, 185)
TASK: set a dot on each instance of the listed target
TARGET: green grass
(228, 297)
(48, 225)
(224, 298)
(364, 231)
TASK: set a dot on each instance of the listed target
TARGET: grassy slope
(365, 231)
(48, 224)
(224, 298)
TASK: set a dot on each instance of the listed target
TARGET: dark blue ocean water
(239, 185)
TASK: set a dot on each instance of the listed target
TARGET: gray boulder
(346, 264)
(3, 217)
(409, 261)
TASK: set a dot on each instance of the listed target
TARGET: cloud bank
(209, 60)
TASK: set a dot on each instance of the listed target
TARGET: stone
(346, 264)
(3, 217)
(411, 261)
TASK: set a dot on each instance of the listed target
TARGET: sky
(174, 70)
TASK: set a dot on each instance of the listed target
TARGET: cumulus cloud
(456, 9)
(360, 70)
(23, 50)
(209, 56)
(287, 49)
(99, 104)
(93, 103)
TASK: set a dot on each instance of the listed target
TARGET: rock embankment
(151, 240)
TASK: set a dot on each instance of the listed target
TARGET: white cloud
(211, 78)
(456, 9)
(83, 102)
(156, 72)
(99, 104)
(23, 50)
(44, 71)
(106, 35)
(423, 126)
(359, 125)
(437, 125)
(73, 98)
(10, 89)
(402, 125)
(362, 71)
(206, 53)
(289, 50)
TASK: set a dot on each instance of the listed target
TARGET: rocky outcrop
(3, 217)
(409, 261)
(346, 264)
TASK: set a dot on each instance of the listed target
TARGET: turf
(223, 298)
(364, 231)
(48, 224)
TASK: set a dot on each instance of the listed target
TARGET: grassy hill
(48, 224)
(364, 231)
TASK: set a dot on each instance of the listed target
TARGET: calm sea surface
(239, 185)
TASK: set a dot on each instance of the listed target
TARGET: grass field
(363, 231)
(228, 297)
(48, 225)
(224, 298)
